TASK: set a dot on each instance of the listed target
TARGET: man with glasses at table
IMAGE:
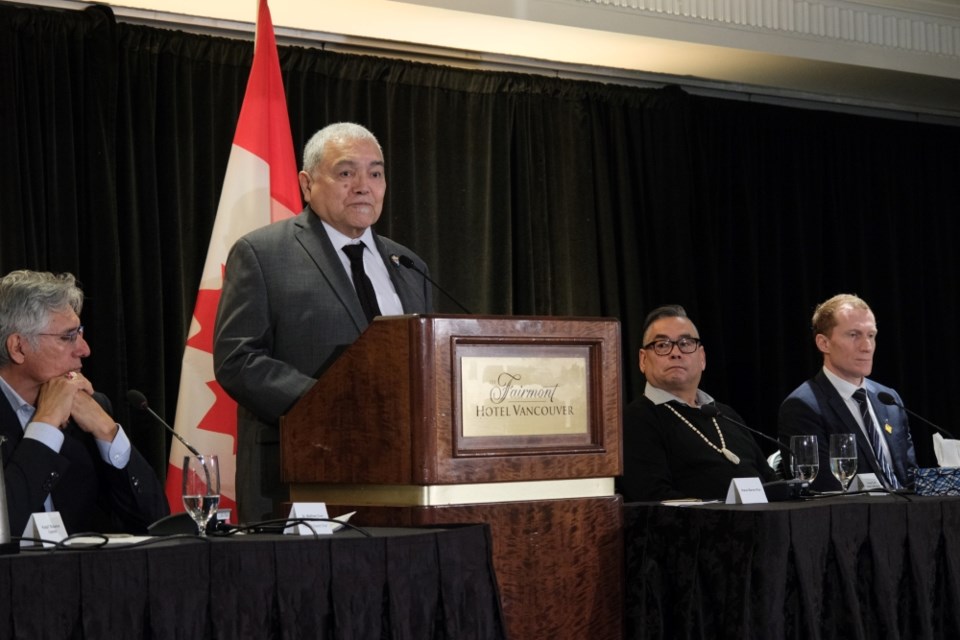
(672, 448)
(63, 451)
(841, 399)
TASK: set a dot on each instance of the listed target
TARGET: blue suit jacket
(816, 408)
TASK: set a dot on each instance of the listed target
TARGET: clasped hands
(71, 396)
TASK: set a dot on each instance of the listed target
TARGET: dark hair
(666, 311)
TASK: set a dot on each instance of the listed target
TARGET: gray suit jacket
(287, 310)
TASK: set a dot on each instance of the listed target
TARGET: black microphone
(139, 401)
(408, 262)
(776, 490)
(889, 400)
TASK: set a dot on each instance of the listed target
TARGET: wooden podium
(512, 421)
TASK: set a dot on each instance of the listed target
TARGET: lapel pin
(888, 428)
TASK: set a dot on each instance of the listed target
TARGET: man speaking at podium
(63, 450)
(299, 291)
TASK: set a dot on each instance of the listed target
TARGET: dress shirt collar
(340, 241)
(657, 395)
(844, 388)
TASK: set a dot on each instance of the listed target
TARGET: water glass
(805, 457)
(201, 489)
(843, 457)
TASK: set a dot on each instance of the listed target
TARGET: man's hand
(71, 396)
(91, 417)
(55, 401)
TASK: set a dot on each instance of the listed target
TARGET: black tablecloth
(419, 585)
(848, 567)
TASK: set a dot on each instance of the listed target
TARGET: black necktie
(860, 395)
(368, 297)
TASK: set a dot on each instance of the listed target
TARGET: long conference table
(857, 567)
(400, 584)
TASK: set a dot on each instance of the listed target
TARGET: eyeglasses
(665, 347)
(68, 336)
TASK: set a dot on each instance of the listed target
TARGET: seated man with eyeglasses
(62, 450)
(672, 449)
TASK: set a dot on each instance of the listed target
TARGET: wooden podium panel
(388, 410)
(559, 563)
(513, 421)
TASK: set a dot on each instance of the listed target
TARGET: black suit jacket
(89, 494)
(816, 408)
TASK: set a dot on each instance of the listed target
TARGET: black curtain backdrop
(527, 196)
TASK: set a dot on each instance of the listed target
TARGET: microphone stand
(776, 490)
(408, 262)
(138, 400)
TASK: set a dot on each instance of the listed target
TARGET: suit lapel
(895, 437)
(313, 238)
(882, 411)
(842, 413)
(9, 427)
(408, 298)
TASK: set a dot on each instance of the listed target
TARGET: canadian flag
(260, 187)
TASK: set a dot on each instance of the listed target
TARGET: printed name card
(746, 491)
(45, 525)
(867, 482)
(307, 510)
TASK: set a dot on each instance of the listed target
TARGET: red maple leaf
(222, 416)
(205, 312)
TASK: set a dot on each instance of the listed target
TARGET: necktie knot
(355, 252)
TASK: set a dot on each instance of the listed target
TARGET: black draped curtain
(526, 195)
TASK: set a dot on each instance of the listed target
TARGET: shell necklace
(729, 455)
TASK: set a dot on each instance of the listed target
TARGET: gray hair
(28, 298)
(339, 132)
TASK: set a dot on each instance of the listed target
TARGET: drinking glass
(843, 457)
(805, 457)
(201, 489)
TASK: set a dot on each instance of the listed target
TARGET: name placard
(307, 510)
(524, 396)
(867, 482)
(746, 491)
(47, 525)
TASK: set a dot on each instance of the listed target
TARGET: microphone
(889, 400)
(175, 523)
(408, 262)
(776, 490)
(139, 401)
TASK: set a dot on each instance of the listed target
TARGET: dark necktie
(368, 297)
(860, 395)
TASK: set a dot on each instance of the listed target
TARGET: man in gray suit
(289, 304)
